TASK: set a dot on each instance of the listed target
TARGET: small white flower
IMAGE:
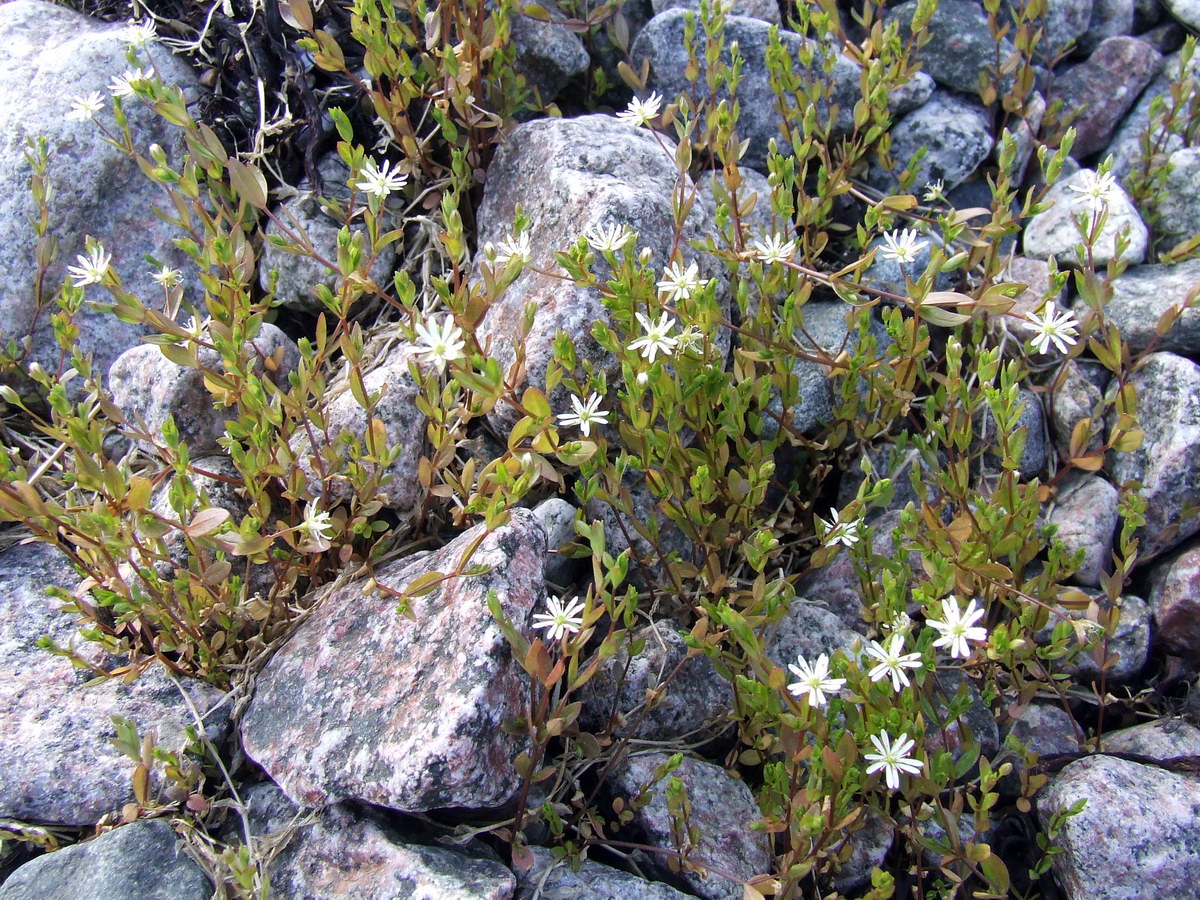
(168, 277)
(513, 248)
(140, 34)
(608, 238)
(657, 339)
(900, 623)
(958, 627)
(85, 106)
(892, 662)
(640, 112)
(679, 283)
(1095, 191)
(563, 619)
(901, 246)
(440, 343)
(892, 758)
(585, 414)
(129, 83)
(316, 522)
(775, 249)
(1053, 327)
(196, 327)
(837, 532)
(380, 181)
(934, 191)
(691, 338)
(814, 680)
(92, 268)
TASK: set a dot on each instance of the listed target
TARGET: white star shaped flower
(440, 342)
(893, 662)
(836, 532)
(775, 250)
(901, 246)
(934, 191)
(641, 112)
(316, 522)
(378, 181)
(608, 238)
(814, 680)
(140, 34)
(892, 759)
(657, 339)
(679, 283)
(1053, 327)
(85, 106)
(130, 82)
(1095, 191)
(92, 268)
(563, 619)
(585, 414)
(513, 248)
(958, 627)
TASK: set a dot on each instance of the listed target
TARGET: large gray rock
(551, 879)
(548, 53)
(1140, 297)
(365, 703)
(1065, 22)
(1186, 11)
(1053, 232)
(808, 630)
(1076, 395)
(1085, 513)
(956, 134)
(54, 53)
(1175, 604)
(1179, 208)
(1124, 146)
(1161, 739)
(1128, 647)
(1168, 462)
(960, 47)
(141, 861)
(1042, 728)
(57, 762)
(1110, 18)
(766, 10)
(1137, 836)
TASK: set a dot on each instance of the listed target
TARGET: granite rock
(1141, 295)
(1052, 232)
(1085, 513)
(956, 134)
(1175, 604)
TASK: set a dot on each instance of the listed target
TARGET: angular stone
(1104, 88)
(1042, 728)
(765, 10)
(56, 53)
(1033, 420)
(1125, 144)
(954, 131)
(368, 704)
(140, 861)
(1142, 294)
(960, 46)
(1085, 512)
(1065, 22)
(57, 762)
(1179, 209)
(148, 388)
(1053, 232)
(1137, 836)
(693, 704)
(1161, 739)
(548, 54)
(869, 847)
(1128, 646)
(957, 734)
(1175, 603)
(1110, 18)
(1167, 464)
(551, 879)
(1076, 396)
(808, 630)
(722, 808)
(557, 517)
(1186, 11)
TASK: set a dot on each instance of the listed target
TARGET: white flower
(958, 627)
(814, 680)
(380, 181)
(934, 191)
(608, 238)
(901, 246)
(85, 106)
(836, 532)
(563, 619)
(316, 521)
(891, 758)
(1052, 326)
(640, 112)
(440, 343)
(775, 249)
(92, 268)
(129, 83)
(892, 661)
(692, 338)
(679, 283)
(900, 623)
(513, 248)
(657, 340)
(168, 277)
(585, 414)
(140, 34)
(196, 327)
(1095, 191)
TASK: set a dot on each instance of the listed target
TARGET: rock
(403, 423)
(1137, 836)
(149, 388)
(960, 47)
(1053, 232)
(1167, 464)
(140, 861)
(548, 54)
(765, 10)
(957, 733)
(1076, 396)
(721, 807)
(1179, 209)
(1140, 297)
(1129, 646)
(1042, 728)
(57, 762)
(695, 702)
(405, 713)
(1186, 11)
(1066, 22)
(551, 879)
(868, 847)
(56, 53)
(885, 461)
(1035, 274)
(1033, 420)
(955, 133)
(629, 531)
(1025, 130)
(808, 630)
(1124, 147)
(1161, 739)
(557, 518)
(1110, 18)
(1085, 514)
(570, 175)
(1104, 88)
(1165, 38)
(1175, 603)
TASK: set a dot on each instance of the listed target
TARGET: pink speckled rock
(367, 704)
